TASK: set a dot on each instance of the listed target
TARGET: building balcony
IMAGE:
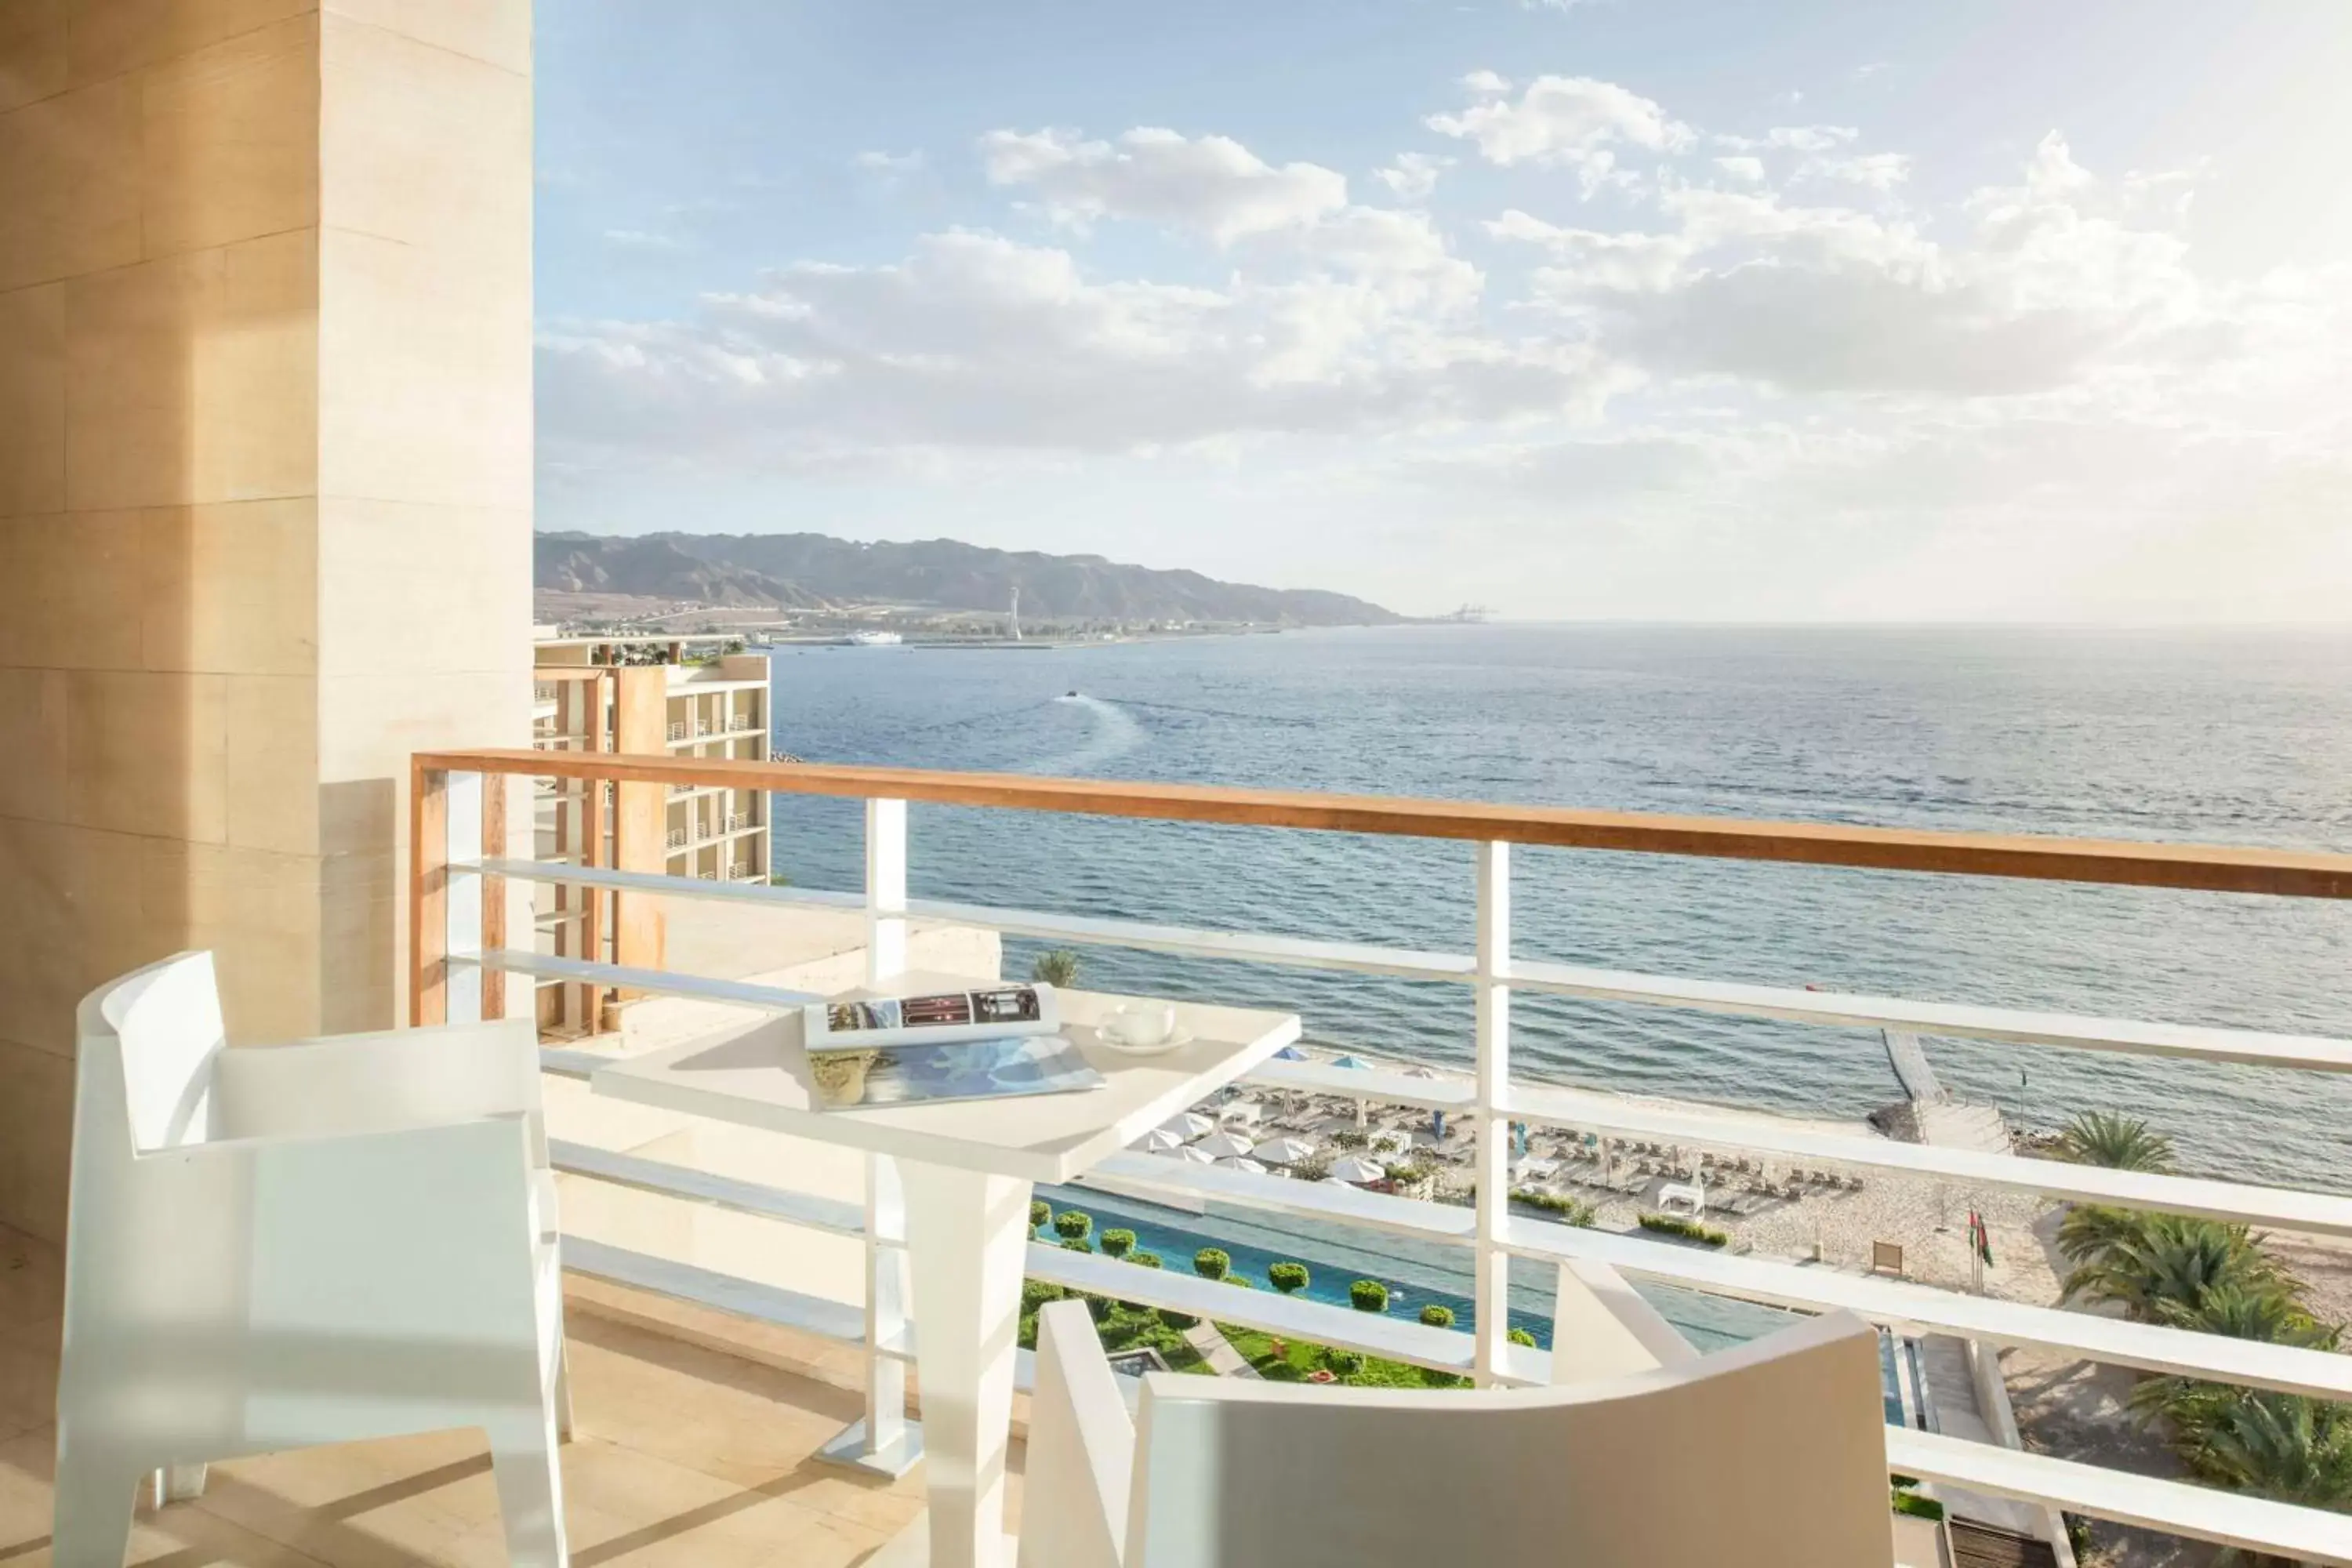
(1476, 1172)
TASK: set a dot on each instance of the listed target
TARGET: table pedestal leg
(967, 1237)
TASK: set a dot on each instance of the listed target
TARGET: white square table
(966, 1170)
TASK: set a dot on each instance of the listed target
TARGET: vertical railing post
(495, 891)
(463, 897)
(428, 888)
(1492, 1264)
(885, 1440)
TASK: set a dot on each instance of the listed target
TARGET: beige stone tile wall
(265, 496)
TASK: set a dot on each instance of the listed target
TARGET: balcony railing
(460, 963)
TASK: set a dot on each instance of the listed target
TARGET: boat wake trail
(1115, 732)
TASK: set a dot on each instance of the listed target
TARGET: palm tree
(2268, 1312)
(1057, 967)
(2173, 1259)
(2090, 1232)
(2282, 1447)
(2120, 1143)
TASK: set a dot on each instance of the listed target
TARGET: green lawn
(1128, 1327)
(1300, 1358)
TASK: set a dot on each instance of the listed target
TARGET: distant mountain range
(811, 571)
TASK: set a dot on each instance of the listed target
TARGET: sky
(1650, 309)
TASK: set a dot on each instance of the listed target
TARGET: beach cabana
(1249, 1113)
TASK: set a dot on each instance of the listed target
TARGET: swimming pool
(1418, 1274)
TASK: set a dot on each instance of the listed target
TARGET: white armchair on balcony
(1770, 1456)
(274, 1247)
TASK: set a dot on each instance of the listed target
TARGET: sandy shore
(1927, 1217)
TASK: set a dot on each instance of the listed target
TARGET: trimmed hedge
(1688, 1229)
(1119, 1243)
(1071, 1225)
(1041, 1214)
(1521, 1337)
(1369, 1296)
(1437, 1317)
(1287, 1278)
(1212, 1263)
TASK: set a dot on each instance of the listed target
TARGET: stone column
(265, 496)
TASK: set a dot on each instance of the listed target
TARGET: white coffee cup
(1139, 1025)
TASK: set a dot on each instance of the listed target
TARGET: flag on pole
(1979, 1237)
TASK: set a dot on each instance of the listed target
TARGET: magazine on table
(855, 1077)
(982, 1013)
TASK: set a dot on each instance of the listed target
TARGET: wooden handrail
(2291, 873)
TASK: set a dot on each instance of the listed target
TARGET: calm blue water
(1417, 1275)
(2225, 737)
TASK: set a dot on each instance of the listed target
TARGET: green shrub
(1918, 1506)
(1176, 1320)
(1070, 1225)
(1346, 1363)
(1568, 1211)
(1119, 1243)
(1437, 1317)
(1041, 1214)
(1287, 1278)
(1212, 1263)
(1688, 1229)
(1369, 1296)
(1148, 1259)
(1076, 1244)
(1241, 1280)
(1035, 1293)
(1521, 1337)
(1057, 967)
(1098, 1307)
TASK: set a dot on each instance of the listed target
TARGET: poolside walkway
(1218, 1352)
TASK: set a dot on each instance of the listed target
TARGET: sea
(2224, 737)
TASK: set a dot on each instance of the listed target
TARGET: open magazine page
(986, 1013)
(964, 1069)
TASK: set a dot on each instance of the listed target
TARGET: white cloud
(1560, 120)
(889, 162)
(642, 239)
(1208, 184)
(1413, 175)
(1878, 170)
(1793, 138)
(1740, 166)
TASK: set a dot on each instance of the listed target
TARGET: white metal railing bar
(740, 992)
(744, 1298)
(664, 883)
(1954, 1020)
(2322, 1214)
(2249, 1363)
(615, 1168)
(2016, 1025)
(2175, 1508)
(1370, 1084)
(1444, 1350)
(1308, 1200)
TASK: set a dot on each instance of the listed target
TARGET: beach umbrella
(1352, 1169)
(1356, 1062)
(1159, 1141)
(1191, 1156)
(1187, 1125)
(1235, 1163)
(1224, 1145)
(1290, 1054)
(1283, 1151)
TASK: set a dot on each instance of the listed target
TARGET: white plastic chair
(1769, 1455)
(274, 1247)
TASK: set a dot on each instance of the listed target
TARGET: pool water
(1417, 1273)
